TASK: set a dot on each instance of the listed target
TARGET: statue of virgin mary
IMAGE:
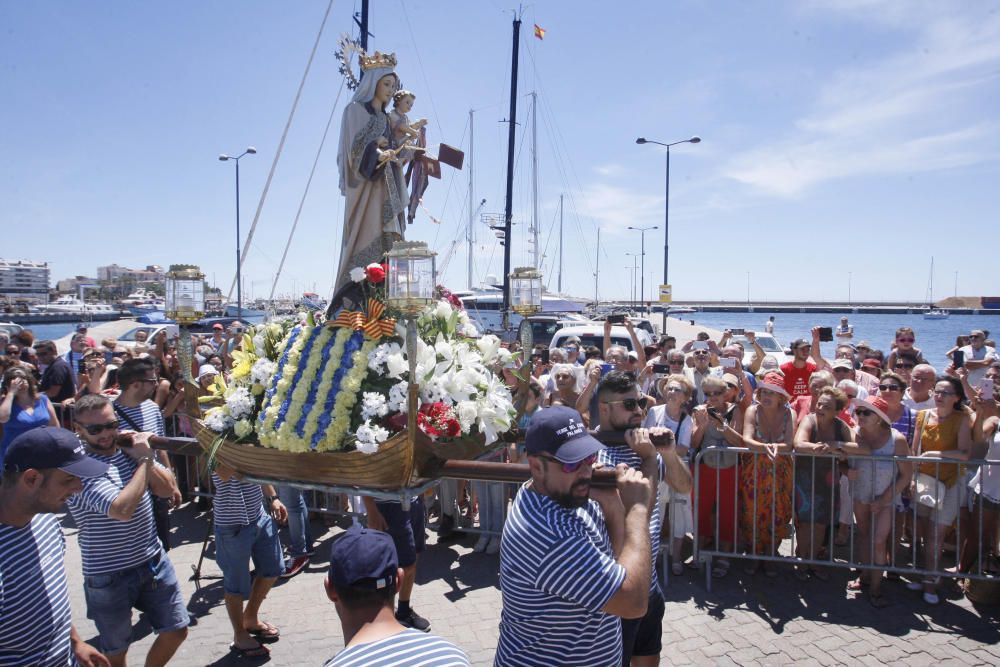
(371, 179)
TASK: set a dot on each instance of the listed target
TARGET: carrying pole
(512, 124)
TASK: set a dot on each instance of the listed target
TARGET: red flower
(375, 273)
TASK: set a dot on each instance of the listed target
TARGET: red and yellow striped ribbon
(373, 324)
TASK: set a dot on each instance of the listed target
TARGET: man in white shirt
(918, 395)
(978, 356)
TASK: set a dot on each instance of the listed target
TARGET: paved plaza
(744, 620)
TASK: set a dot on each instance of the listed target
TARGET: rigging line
(281, 146)
(548, 117)
(547, 240)
(447, 195)
(305, 192)
(420, 64)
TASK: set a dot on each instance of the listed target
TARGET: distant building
(23, 280)
(115, 273)
(72, 285)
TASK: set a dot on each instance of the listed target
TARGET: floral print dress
(766, 492)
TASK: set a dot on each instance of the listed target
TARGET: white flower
(243, 428)
(258, 344)
(488, 346)
(468, 329)
(396, 365)
(505, 357)
(357, 274)
(262, 371)
(218, 420)
(397, 397)
(239, 403)
(369, 436)
(467, 413)
(443, 310)
(373, 404)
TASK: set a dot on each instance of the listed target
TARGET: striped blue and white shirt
(236, 503)
(147, 416)
(611, 456)
(557, 572)
(34, 602)
(106, 544)
(409, 647)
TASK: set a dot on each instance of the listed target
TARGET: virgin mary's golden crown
(377, 60)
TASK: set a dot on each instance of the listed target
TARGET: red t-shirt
(797, 379)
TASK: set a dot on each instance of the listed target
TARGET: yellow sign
(666, 294)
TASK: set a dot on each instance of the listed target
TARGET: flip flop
(258, 651)
(265, 634)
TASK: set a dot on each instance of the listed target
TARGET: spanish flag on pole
(539, 31)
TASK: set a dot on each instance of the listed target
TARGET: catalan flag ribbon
(373, 324)
(539, 31)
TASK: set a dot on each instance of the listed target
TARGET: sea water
(934, 337)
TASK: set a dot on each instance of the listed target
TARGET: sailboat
(933, 313)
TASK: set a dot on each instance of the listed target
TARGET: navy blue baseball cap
(363, 558)
(51, 447)
(560, 431)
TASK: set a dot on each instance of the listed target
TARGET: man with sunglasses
(124, 565)
(978, 356)
(564, 589)
(134, 406)
(702, 355)
(623, 409)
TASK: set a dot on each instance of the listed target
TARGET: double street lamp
(239, 286)
(642, 254)
(666, 214)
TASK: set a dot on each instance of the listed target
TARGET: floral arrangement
(343, 385)
(240, 398)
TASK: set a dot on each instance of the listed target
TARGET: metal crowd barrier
(780, 540)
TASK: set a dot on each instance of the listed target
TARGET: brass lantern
(185, 293)
(411, 279)
(525, 291)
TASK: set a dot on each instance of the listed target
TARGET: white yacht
(71, 304)
(484, 307)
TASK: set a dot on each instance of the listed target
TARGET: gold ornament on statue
(377, 60)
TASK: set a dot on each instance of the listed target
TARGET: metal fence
(748, 505)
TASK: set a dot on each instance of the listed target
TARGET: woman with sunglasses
(874, 487)
(820, 433)
(765, 474)
(944, 437)
(714, 433)
(22, 407)
(676, 391)
(905, 338)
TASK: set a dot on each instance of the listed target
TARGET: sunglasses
(863, 412)
(712, 394)
(843, 370)
(675, 390)
(905, 366)
(97, 429)
(888, 387)
(905, 340)
(701, 352)
(631, 403)
(572, 467)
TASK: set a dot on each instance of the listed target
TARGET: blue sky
(838, 136)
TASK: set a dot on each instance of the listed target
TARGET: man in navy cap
(41, 470)
(564, 588)
(362, 582)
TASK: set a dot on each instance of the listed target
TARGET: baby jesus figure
(402, 131)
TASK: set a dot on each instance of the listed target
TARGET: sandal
(265, 633)
(857, 585)
(720, 569)
(258, 651)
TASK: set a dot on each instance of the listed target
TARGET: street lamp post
(666, 212)
(634, 269)
(239, 285)
(642, 254)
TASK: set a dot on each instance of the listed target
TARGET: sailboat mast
(597, 268)
(560, 241)
(534, 175)
(470, 233)
(512, 124)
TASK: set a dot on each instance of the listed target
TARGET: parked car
(544, 327)
(10, 329)
(768, 343)
(592, 334)
(128, 338)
